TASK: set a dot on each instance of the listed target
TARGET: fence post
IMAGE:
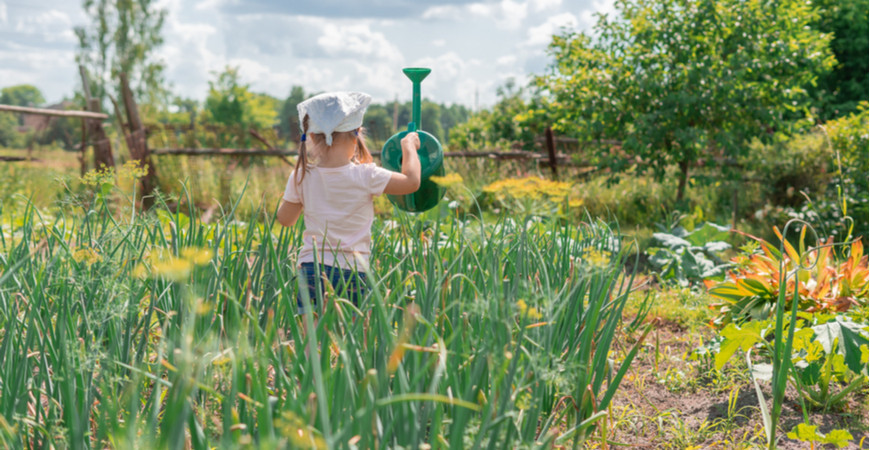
(138, 143)
(551, 151)
(102, 147)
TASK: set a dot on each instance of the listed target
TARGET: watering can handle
(412, 127)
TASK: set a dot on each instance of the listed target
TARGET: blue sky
(473, 47)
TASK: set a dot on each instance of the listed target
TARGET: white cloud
(357, 41)
(208, 5)
(471, 48)
(443, 12)
(589, 15)
(52, 25)
(506, 14)
(507, 60)
(541, 34)
(541, 5)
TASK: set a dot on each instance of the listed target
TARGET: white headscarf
(334, 111)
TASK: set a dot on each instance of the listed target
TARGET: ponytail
(363, 155)
(302, 159)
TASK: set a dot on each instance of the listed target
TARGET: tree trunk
(138, 144)
(103, 158)
(551, 151)
(684, 178)
(734, 204)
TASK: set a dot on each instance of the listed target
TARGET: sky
(472, 47)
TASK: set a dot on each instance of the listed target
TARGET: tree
(288, 120)
(232, 104)
(123, 37)
(839, 92)
(9, 135)
(21, 95)
(509, 121)
(379, 123)
(685, 81)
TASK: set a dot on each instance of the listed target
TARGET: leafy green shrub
(829, 350)
(792, 169)
(689, 257)
(849, 140)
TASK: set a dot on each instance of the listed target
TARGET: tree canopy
(123, 37)
(685, 81)
(21, 95)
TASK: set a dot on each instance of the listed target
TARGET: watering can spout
(416, 74)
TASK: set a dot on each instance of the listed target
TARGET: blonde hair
(361, 155)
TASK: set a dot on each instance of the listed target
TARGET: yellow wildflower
(529, 311)
(529, 187)
(98, 177)
(175, 269)
(596, 258)
(198, 256)
(87, 255)
(298, 432)
(140, 271)
(449, 180)
(132, 169)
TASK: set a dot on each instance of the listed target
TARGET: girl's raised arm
(408, 181)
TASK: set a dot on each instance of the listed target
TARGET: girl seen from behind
(334, 183)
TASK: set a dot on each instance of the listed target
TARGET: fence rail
(561, 158)
(53, 112)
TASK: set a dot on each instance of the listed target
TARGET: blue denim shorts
(348, 284)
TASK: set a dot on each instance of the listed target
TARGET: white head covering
(334, 111)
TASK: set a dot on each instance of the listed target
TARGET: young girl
(335, 183)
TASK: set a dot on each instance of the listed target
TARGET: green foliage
(809, 433)
(685, 81)
(819, 176)
(21, 95)
(288, 120)
(828, 351)
(508, 122)
(123, 37)
(849, 139)
(792, 169)
(840, 91)
(10, 137)
(689, 257)
(232, 104)
(160, 330)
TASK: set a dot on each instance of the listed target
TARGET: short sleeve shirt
(338, 212)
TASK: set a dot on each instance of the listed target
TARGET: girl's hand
(408, 181)
(411, 142)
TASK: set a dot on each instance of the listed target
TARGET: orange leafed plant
(823, 285)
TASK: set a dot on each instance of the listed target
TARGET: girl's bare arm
(408, 181)
(288, 213)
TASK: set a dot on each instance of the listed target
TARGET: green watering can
(430, 153)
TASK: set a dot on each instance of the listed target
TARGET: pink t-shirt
(338, 212)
